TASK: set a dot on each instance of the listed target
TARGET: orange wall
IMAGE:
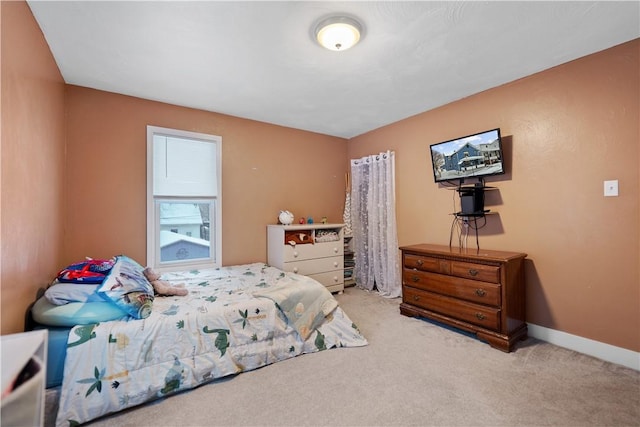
(266, 168)
(74, 170)
(566, 130)
(32, 164)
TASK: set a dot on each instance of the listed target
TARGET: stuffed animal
(162, 287)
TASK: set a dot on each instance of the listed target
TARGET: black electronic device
(472, 156)
(471, 200)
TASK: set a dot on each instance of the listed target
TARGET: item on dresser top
(285, 217)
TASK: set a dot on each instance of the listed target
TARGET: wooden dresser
(480, 291)
(315, 250)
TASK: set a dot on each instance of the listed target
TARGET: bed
(234, 319)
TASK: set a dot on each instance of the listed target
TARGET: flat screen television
(472, 156)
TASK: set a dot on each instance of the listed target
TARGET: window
(184, 220)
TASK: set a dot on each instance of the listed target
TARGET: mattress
(56, 354)
(233, 320)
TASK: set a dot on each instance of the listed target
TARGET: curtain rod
(368, 158)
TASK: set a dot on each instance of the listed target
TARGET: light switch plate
(611, 188)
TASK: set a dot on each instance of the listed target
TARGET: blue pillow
(128, 288)
(60, 293)
(75, 313)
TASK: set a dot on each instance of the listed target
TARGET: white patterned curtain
(373, 217)
(346, 216)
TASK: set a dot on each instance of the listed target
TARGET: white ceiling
(258, 60)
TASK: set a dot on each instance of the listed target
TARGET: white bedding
(219, 329)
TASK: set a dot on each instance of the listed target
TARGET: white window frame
(153, 209)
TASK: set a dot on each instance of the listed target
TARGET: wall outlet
(611, 188)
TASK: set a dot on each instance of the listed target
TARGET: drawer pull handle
(416, 298)
(473, 272)
(295, 254)
(335, 250)
(415, 279)
(335, 264)
(481, 292)
(480, 316)
(420, 262)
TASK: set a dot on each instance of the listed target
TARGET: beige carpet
(413, 373)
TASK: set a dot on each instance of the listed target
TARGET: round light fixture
(338, 33)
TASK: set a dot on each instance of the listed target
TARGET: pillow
(89, 271)
(128, 288)
(63, 293)
(74, 313)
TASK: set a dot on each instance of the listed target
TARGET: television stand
(472, 199)
(474, 214)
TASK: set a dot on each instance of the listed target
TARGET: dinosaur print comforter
(220, 328)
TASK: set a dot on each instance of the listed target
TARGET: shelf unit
(472, 204)
(472, 200)
(349, 262)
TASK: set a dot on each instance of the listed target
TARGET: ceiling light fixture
(338, 33)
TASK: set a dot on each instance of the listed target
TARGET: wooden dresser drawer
(425, 263)
(470, 290)
(485, 273)
(481, 315)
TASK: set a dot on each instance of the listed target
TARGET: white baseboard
(610, 353)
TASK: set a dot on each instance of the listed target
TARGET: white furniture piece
(314, 250)
(24, 365)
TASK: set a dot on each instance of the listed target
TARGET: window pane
(184, 231)
(184, 167)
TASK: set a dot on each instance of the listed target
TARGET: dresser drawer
(312, 266)
(468, 270)
(312, 251)
(426, 263)
(470, 290)
(330, 278)
(481, 315)
(485, 273)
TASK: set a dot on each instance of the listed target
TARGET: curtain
(373, 217)
(346, 216)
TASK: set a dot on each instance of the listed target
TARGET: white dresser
(24, 373)
(315, 250)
